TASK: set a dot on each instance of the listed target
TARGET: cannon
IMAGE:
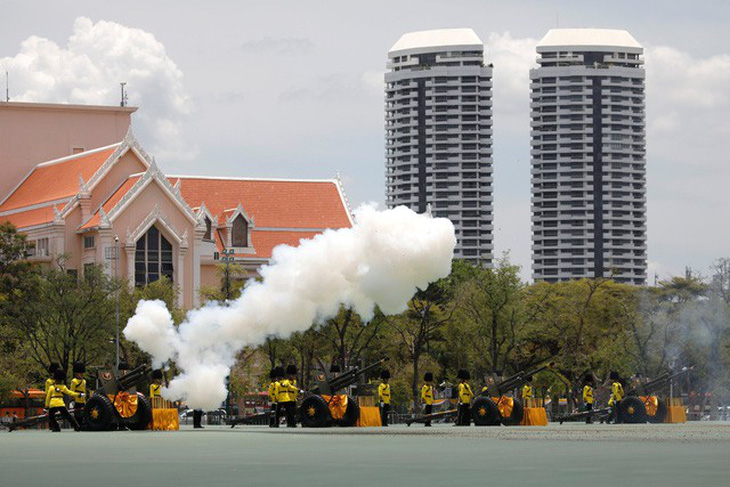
(116, 404)
(599, 414)
(507, 410)
(322, 405)
(485, 411)
(259, 418)
(642, 402)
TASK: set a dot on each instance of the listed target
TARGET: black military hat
(613, 375)
(588, 379)
(79, 368)
(123, 366)
(157, 374)
(428, 377)
(272, 373)
(280, 371)
(291, 369)
(59, 375)
(385, 374)
(335, 369)
(52, 367)
(528, 378)
(462, 374)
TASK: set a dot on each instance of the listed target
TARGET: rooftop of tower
(588, 38)
(437, 38)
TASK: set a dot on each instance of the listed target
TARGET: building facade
(438, 124)
(113, 206)
(588, 157)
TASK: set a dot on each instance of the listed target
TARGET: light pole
(116, 304)
(227, 260)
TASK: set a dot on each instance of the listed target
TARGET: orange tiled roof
(111, 202)
(30, 218)
(57, 180)
(264, 241)
(271, 203)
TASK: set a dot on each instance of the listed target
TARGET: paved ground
(572, 454)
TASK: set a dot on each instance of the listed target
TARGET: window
(239, 236)
(153, 258)
(208, 229)
(41, 248)
(89, 242)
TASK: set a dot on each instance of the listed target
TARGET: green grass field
(599, 455)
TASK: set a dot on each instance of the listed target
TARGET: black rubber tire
(661, 413)
(99, 413)
(633, 410)
(484, 412)
(518, 413)
(143, 417)
(314, 412)
(352, 414)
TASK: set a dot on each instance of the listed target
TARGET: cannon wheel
(314, 412)
(661, 412)
(633, 410)
(143, 417)
(517, 413)
(98, 413)
(484, 412)
(352, 413)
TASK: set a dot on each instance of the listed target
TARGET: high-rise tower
(438, 112)
(588, 157)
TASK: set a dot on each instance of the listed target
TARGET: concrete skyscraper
(438, 112)
(588, 157)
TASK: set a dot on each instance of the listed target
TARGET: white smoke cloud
(88, 70)
(381, 260)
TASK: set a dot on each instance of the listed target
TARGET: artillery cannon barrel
(346, 379)
(656, 384)
(134, 375)
(520, 378)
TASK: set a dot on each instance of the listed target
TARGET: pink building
(98, 195)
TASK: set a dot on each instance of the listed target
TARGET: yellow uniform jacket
(49, 383)
(465, 393)
(427, 394)
(273, 391)
(617, 391)
(282, 392)
(384, 393)
(526, 392)
(54, 396)
(155, 390)
(293, 390)
(588, 394)
(79, 385)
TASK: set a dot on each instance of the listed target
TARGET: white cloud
(88, 70)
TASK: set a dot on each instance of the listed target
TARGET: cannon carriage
(117, 404)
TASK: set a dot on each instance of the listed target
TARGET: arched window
(208, 229)
(153, 258)
(239, 235)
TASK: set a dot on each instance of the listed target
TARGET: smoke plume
(381, 260)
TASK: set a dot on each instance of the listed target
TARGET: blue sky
(294, 89)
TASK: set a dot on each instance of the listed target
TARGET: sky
(293, 89)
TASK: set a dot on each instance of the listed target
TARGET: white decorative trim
(57, 215)
(155, 215)
(276, 180)
(83, 186)
(104, 219)
(343, 198)
(33, 207)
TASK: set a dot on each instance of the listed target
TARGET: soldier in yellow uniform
(273, 391)
(52, 368)
(617, 395)
(55, 404)
(427, 396)
(588, 397)
(527, 390)
(155, 387)
(463, 417)
(287, 396)
(78, 384)
(384, 396)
